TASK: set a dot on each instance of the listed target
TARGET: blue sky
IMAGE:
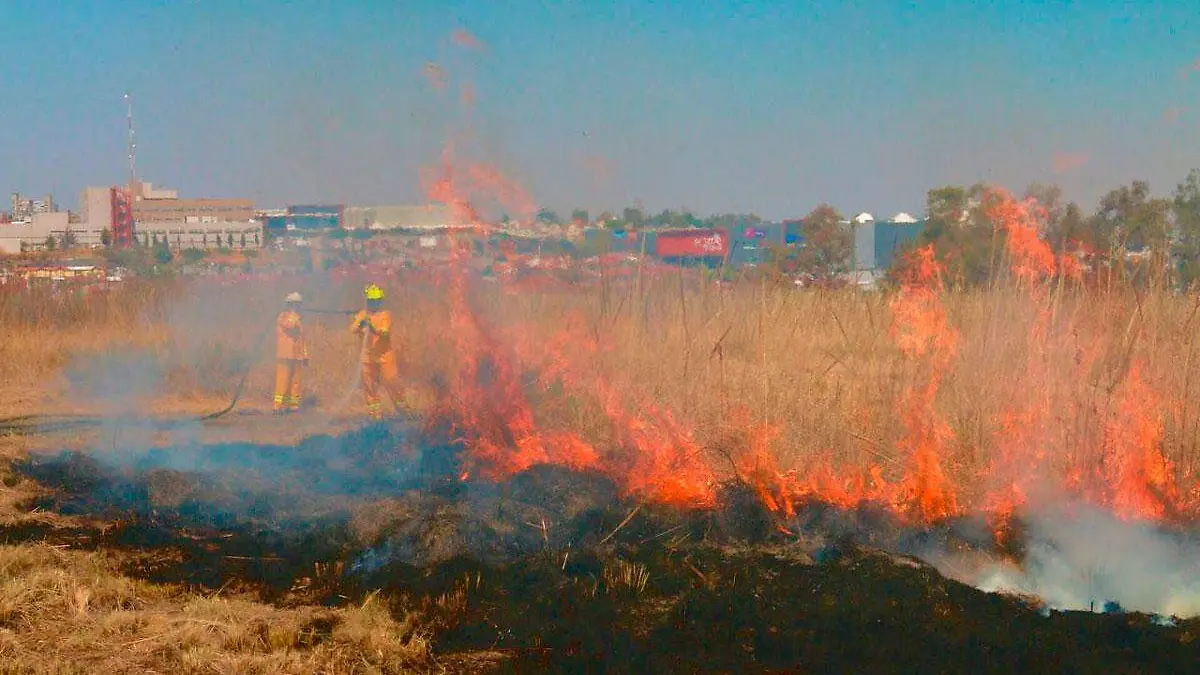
(771, 107)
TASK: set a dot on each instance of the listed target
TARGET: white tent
(903, 217)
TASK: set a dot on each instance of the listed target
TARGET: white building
(202, 235)
(42, 227)
(427, 217)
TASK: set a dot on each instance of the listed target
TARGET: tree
(243, 240)
(1050, 212)
(1069, 233)
(1186, 207)
(946, 208)
(827, 244)
(106, 237)
(1129, 220)
(49, 244)
(162, 251)
(1049, 198)
(69, 240)
(548, 217)
(634, 217)
(964, 240)
(580, 216)
(1132, 220)
(229, 240)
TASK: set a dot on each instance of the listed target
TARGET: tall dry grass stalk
(819, 364)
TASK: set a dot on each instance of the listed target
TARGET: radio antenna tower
(132, 142)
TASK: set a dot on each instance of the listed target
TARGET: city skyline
(750, 107)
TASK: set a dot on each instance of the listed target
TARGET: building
(95, 208)
(164, 206)
(42, 228)
(398, 217)
(753, 243)
(23, 209)
(303, 218)
(144, 190)
(894, 235)
(247, 234)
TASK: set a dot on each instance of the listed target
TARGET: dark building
(329, 217)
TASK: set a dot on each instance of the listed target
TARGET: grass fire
(614, 469)
(468, 434)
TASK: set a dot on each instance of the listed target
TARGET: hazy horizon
(729, 107)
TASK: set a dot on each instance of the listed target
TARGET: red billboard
(692, 244)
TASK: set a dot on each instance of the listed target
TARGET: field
(648, 469)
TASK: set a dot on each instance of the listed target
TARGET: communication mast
(132, 141)
(121, 201)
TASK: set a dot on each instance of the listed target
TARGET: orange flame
(923, 333)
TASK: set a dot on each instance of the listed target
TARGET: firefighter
(290, 354)
(379, 365)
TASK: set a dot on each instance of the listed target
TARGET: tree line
(1130, 236)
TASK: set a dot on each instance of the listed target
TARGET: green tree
(49, 244)
(192, 256)
(964, 240)
(1186, 208)
(106, 237)
(633, 216)
(1132, 219)
(229, 240)
(1069, 232)
(69, 239)
(1129, 220)
(162, 251)
(580, 216)
(827, 244)
(243, 240)
(548, 217)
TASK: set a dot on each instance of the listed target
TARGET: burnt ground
(553, 569)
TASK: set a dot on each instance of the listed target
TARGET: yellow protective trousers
(287, 384)
(374, 374)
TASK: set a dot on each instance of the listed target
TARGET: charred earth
(554, 570)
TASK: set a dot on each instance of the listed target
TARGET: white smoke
(1083, 558)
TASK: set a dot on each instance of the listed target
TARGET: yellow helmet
(373, 292)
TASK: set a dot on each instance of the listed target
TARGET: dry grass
(1047, 367)
(819, 365)
(63, 611)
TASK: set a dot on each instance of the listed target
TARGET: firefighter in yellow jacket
(379, 364)
(290, 354)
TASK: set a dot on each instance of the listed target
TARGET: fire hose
(24, 425)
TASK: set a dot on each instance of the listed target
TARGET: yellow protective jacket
(289, 337)
(379, 334)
